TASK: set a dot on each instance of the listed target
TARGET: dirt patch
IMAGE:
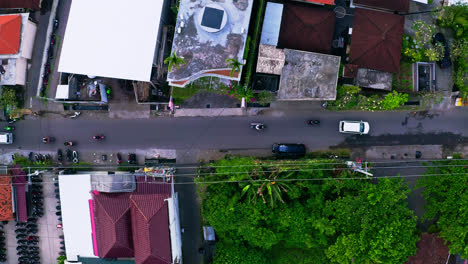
(431, 249)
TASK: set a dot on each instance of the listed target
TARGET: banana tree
(173, 60)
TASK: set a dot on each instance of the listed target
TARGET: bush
(394, 100)
(433, 229)
(238, 254)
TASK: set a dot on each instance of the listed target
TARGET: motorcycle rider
(68, 143)
(8, 128)
(45, 140)
(259, 127)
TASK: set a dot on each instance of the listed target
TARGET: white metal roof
(76, 217)
(111, 38)
(271, 24)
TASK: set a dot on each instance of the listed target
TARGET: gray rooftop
(270, 59)
(374, 79)
(206, 48)
(308, 76)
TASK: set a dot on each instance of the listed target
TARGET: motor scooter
(257, 126)
(313, 122)
(75, 115)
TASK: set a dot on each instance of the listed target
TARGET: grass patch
(325, 154)
(251, 59)
(403, 80)
(204, 84)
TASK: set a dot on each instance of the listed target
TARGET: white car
(6, 138)
(354, 127)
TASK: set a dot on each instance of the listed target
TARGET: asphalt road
(387, 128)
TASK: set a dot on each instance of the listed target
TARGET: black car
(446, 61)
(288, 150)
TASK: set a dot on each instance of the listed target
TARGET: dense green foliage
(8, 98)
(447, 201)
(349, 98)
(456, 17)
(308, 221)
(394, 100)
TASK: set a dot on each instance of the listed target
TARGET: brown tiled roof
(150, 228)
(376, 40)
(32, 4)
(305, 27)
(390, 5)
(116, 222)
(10, 29)
(113, 226)
(6, 203)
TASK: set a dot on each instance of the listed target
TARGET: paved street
(387, 128)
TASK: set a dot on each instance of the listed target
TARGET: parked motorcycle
(257, 126)
(119, 158)
(59, 155)
(75, 115)
(313, 122)
(69, 155)
(98, 137)
(75, 157)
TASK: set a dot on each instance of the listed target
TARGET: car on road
(288, 150)
(6, 138)
(354, 127)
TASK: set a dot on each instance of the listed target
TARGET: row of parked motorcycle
(50, 56)
(28, 241)
(3, 257)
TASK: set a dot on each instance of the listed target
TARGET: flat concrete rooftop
(308, 76)
(207, 33)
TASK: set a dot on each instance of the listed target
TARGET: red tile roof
(113, 226)
(305, 27)
(326, 2)
(6, 203)
(119, 215)
(150, 228)
(32, 4)
(10, 29)
(390, 5)
(376, 40)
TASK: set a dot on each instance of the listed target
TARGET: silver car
(354, 127)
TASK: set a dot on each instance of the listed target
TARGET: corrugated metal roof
(10, 29)
(326, 2)
(271, 24)
(19, 182)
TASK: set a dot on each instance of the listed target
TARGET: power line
(241, 165)
(277, 180)
(187, 175)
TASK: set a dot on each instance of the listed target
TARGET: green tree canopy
(447, 201)
(316, 221)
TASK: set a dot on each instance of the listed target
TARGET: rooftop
(10, 34)
(308, 76)
(109, 38)
(376, 40)
(74, 198)
(306, 27)
(207, 33)
(6, 206)
(32, 4)
(390, 5)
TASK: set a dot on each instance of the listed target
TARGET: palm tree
(234, 64)
(174, 60)
(273, 189)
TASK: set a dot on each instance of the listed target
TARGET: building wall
(27, 43)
